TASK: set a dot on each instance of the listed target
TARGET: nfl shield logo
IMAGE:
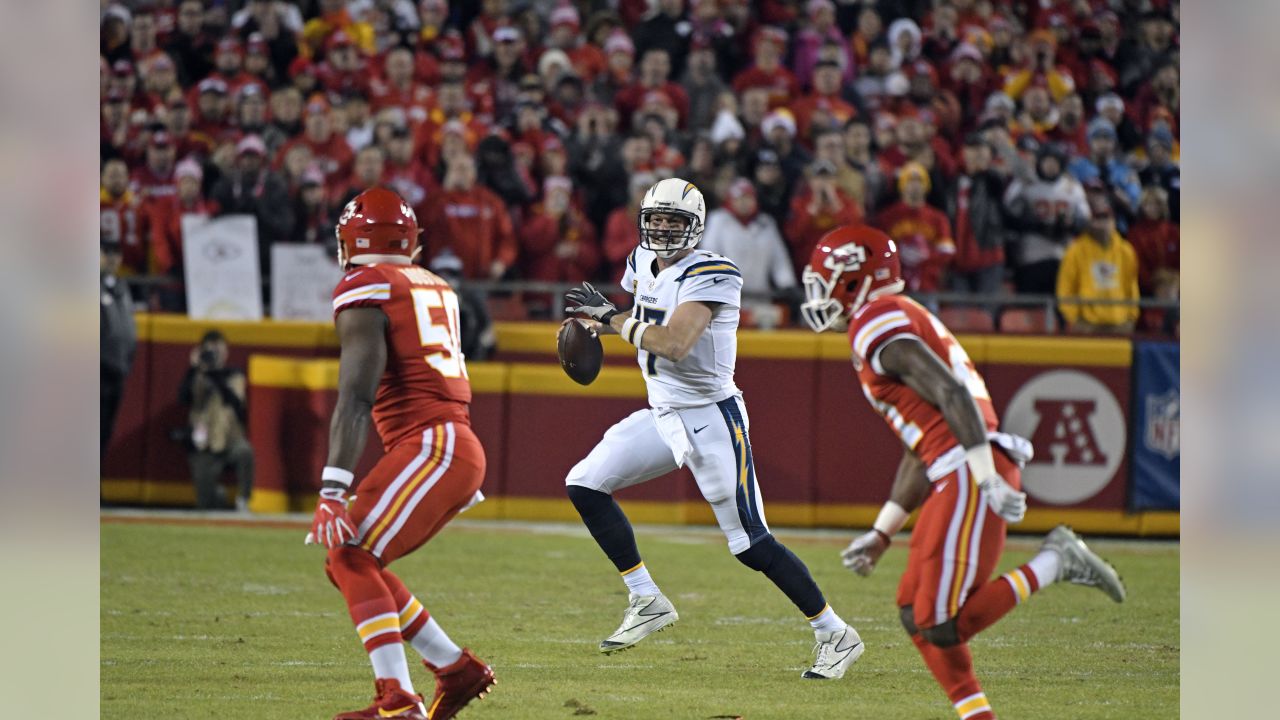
(1163, 420)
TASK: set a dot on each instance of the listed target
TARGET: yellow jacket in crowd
(1090, 270)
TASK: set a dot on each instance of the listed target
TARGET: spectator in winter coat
(1046, 211)
(329, 148)
(1156, 242)
(1099, 265)
(557, 242)
(829, 145)
(751, 239)
(1102, 164)
(253, 189)
(703, 85)
(621, 234)
(816, 209)
(769, 48)
(921, 232)
(471, 222)
(823, 108)
(166, 217)
(974, 201)
(122, 220)
(369, 170)
(821, 29)
(313, 217)
(655, 76)
(862, 158)
(1162, 171)
(773, 195)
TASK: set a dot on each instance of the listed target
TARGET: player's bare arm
(920, 369)
(363, 359)
(910, 488)
(676, 339)
(672, 341)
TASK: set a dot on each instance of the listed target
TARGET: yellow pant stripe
(1020, 585)
(410, 610)
(379, 626)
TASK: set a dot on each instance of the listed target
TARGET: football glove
(864, 552)
(588, 301)
(1009, 504)
(331, 526)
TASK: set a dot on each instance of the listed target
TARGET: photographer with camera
(216, 395)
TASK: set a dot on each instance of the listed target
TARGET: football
(580, 351)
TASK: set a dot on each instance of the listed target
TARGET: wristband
(338, 475)
(605, 318)
(633, 330)
(890, 520)
(982, 465)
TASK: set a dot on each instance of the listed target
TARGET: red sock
(994, 600)
(952, 667)
(412, 614)
(373, 609)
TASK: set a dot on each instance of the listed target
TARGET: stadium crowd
(1024, 145)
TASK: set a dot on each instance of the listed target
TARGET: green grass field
(240, 622)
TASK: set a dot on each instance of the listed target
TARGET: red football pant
(955, 546)
(413, 492)
(416, 489)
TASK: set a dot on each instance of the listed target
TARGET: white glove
(1006, 502)
(864, 552)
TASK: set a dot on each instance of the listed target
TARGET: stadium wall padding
(822, 456)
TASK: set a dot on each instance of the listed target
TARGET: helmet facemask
(668, 241)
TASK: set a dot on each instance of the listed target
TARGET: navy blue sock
(608, 525)
(786, 571)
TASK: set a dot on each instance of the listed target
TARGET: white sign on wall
(302, 282)
(220, 256)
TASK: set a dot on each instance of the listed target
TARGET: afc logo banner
(1078, 431)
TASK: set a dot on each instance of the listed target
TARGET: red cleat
(390, 702)
(465, 680)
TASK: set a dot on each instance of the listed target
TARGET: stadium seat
(966, 319)
(1023, 320)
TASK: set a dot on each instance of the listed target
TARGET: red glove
(331, 526)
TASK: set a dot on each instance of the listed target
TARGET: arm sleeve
(717, 281)
(364, 287)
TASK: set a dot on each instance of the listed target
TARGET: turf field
(203, 621)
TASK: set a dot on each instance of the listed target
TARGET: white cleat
(1082, 566)
(837, 650)
(645, 616)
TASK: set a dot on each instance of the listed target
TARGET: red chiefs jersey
(425, 382)
(913, 419)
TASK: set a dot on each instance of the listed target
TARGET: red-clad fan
(343, 71)
(115, 130)
(968, 77)
(621, 233)
(159, 79)
(165, 216)
(154, 179)
(655, 71)
(914, 143)
(957, 467)
(213, 109)
(469, 221)
(401, 368)
(824, 104)
(178, 118)
(922, 232)
(1040, 70)
(367, 171)
(406, 174)
(399, 88)
(122, 219)
(329, 148)
(228, 59)
(557, 242)
(451, 107)
(768, 51)
(587, 60)
(453, 67)
(820, 206)
(619, 74)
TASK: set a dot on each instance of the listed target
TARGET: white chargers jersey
(705, 376)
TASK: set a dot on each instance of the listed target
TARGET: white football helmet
(678, 197)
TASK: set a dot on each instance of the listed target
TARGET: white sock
(1046, 565)
(826, 621)
(388, 662)
(639, 582)
(434, 645)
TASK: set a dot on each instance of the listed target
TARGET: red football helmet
(376, 225)
(849, 266)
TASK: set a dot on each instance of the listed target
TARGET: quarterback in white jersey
(684, 326)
